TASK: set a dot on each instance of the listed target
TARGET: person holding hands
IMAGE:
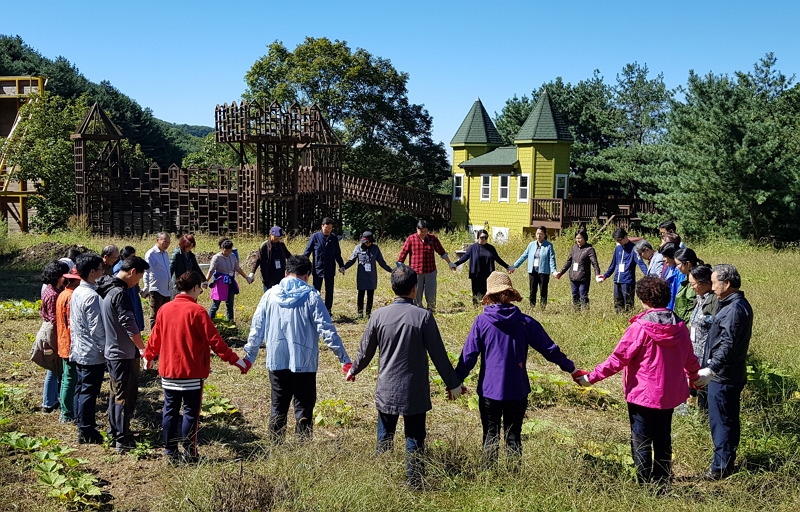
(368, 256)
(541, 258)
(481, 256)
(421, 249)
(222, 274)
(623, 268)
(579, 263)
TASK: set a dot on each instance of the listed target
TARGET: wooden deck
(561, 213)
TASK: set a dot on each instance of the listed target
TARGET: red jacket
(184, 336)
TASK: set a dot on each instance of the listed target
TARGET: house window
(522, 190)
(561, 186)
(486, 188)
(502, 191)
(458, 187)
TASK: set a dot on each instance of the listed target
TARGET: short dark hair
(653, 291)
(87, 262)
(298, 265)
(727, 272)
(225, 243)
(134, 262)
(582, 232)
(673, 238)
(701, 274)
(404, 279)
(422, 224)
(543, 230)
(668, 225)
(127, 252)
(668, 250)
(109, 250)
(53, 271)
(326, 221)
(72, 253)
(482, 232)
(188, 280)
(186, 241)
(619, 233)
(684, 255)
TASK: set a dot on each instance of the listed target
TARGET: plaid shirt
(49, 297)
(422, 259)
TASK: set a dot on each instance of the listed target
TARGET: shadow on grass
(20, 285)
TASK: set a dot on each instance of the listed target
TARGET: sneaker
(65, 420)
(48, 410)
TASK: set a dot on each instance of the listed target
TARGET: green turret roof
(505, 157)
(544, 123)
(477, 128)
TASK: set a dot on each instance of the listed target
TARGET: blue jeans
(651, 442)
(723, 418)
(228, 307)
(52, 386)
(580, 294)
(90, 378)
(177, 430)
(415, 441)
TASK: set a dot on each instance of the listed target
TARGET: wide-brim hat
(498, 282)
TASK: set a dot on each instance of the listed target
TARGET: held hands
(511, 269)
(453, 394)
(348, 372)
(341, 270)
(558, 275)
(250, 279)
(704, 377)
(453, 266)
(581, 377)
(244, 365)
(599, 279)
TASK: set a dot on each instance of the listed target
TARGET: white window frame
(459, 177)
(520, 188)
(488, 188)
(566, 186)
(507, 188)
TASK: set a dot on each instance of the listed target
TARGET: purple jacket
(501, 335)
(656, 355)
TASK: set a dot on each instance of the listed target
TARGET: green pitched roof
(500, 157)
(544, 123)
(477, 128)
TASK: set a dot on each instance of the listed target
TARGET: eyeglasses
(483, 238)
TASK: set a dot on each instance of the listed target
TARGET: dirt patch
(37, 256)
(204, 257)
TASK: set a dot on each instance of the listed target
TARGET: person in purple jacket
(501, 335)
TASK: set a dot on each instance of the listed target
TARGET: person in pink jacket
(655, 355)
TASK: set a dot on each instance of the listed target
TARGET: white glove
(147, 364)
(599, 279)
(453, 265)
(583, 380)
(704, 377)
(252, 276)
(250, 279)
(454, 393)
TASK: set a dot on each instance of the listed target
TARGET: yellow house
(493, 184)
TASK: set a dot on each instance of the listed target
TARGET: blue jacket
(547, 257)
(133, 293)
(625, 254)
(289, 319)
(327, 254)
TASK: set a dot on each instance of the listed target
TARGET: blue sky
(181, 58)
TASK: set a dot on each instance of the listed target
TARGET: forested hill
(163, 142)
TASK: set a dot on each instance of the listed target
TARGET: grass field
(576, 451)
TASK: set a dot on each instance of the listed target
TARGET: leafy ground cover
(576, 451)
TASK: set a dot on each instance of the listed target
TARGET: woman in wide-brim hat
(501, 336)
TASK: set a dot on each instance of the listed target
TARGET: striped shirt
(181, 384)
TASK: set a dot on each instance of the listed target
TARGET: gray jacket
(87, 332)
(405, 335)
(367, 258)
(118, 319)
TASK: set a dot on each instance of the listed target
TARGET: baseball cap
(276, 231)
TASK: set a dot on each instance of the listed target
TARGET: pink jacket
(655, 354)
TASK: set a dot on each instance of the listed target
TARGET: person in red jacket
(184, 336)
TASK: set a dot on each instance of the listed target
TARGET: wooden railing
(396, 197)
(559, 213)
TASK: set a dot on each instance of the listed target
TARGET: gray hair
(162, 234)
(109, 250)
(726, 272)
(641, 246)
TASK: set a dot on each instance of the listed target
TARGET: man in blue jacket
(289, 319)
(623, 268)
(725, 367)
(324, 245)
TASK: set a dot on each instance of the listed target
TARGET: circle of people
(694, 333)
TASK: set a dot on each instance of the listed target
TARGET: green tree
(211, 153)
(734, 166)
(366, 101)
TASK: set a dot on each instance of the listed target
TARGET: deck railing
(559, 213)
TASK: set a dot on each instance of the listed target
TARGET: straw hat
(498, 282)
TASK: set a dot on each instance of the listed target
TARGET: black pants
(651, 442)
(328, 288)
(478, 287)
(415, 442)
(90, 378)
(509, 413)
(536, 280)
(624, 293)
(124, 379)
(580, 294)
(156, 301)
(177, 431)
(360, 301)
(724, 404)
(287, 385)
